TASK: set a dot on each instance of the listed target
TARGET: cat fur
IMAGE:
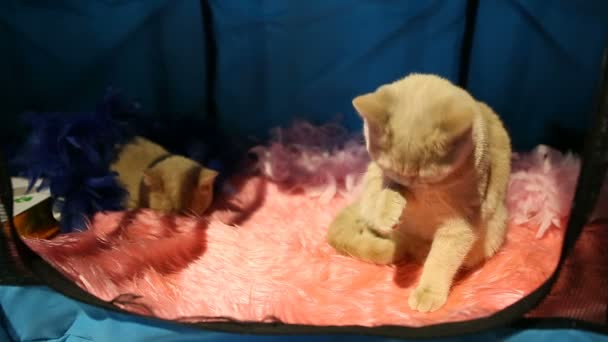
(435, 188)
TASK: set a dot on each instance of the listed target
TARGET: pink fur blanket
(261, 253)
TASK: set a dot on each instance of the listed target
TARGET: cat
(161, 181)
(435, 187)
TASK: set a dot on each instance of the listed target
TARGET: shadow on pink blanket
(261, 253)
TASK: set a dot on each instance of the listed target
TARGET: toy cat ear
(152, 180)
(207, 177)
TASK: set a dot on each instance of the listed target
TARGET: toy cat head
(179, 184)
(418, 129)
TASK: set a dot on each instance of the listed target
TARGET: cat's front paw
(392, 204)
(427, 299)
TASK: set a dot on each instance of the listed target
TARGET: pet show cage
(261, 92)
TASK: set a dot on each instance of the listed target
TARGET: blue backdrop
(536, 61)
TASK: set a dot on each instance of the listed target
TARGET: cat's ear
(153, 180)
(206, 177)
(458, 120)
(373, 107)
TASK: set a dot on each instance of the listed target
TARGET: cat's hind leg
(351, 236)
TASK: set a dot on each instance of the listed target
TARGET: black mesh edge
(210, 60)
(467, 42)
(10, 272)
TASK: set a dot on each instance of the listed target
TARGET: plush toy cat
(159, 180)
(435, 188)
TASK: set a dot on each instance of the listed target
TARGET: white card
(22, 200)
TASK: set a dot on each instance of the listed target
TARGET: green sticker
(23, 199)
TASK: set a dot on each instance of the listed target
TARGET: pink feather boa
(261, 252)
(541, 188)
(322, 161)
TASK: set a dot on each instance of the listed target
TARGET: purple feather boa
(71, 154)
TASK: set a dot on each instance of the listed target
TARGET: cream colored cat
(159, 180)
(435, 189)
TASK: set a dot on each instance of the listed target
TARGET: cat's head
(418, 129)
(178, 184)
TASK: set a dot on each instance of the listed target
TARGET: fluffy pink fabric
(261, 254)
